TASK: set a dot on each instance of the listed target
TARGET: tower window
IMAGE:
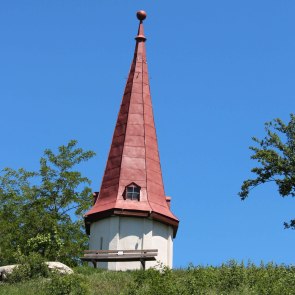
(132, 192)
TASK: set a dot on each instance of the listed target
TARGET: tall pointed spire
(134, 158)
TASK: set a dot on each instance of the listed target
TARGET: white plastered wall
(132, 233)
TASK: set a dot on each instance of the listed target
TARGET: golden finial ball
(141, 15)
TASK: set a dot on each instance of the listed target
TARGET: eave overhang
(130, 213)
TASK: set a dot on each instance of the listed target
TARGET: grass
(98, 282)
(231, 278)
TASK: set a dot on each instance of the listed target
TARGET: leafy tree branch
(42, 211)
(275, 154)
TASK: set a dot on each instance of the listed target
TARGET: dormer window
(132, 192)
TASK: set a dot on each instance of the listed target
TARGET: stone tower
(131, 210)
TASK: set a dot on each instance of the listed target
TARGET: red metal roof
(134, 156)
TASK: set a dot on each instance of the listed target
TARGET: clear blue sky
(219, 70)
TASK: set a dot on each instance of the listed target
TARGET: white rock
(60, 267)
(54, 265)
(5, 270)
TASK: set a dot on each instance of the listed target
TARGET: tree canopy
(275, 154)
(41, 211)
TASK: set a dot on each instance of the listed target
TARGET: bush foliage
(30, 267)
(41, 211)
(73, 284)
(230, 278)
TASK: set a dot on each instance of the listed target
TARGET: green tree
(275, 154)
(42, 211)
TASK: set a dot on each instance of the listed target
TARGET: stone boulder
(53, 266)
(60, 267)
(6, 270)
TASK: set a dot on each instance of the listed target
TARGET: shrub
(73, 284)
(231, 276)
(30, 267)
(87, 270)
(153, 281)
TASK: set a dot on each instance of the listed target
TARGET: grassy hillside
(230, 278)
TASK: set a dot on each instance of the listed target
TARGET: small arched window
(132, 192)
